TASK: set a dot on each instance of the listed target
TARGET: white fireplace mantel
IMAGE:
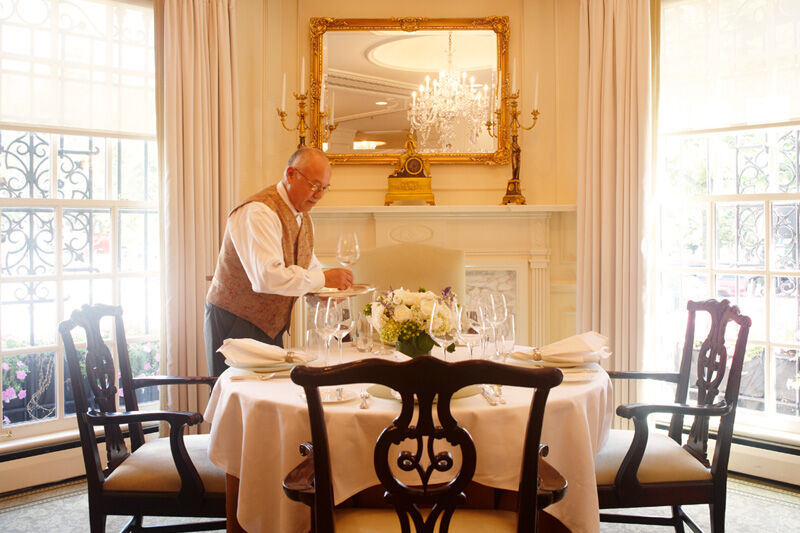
(507, 247)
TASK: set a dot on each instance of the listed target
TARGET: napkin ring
(536, 355)
(290, 357)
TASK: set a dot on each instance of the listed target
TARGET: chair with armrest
(399, 265)
(421, 502)
(170, 476)
(637, 469)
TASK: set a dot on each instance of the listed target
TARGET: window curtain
(614, 111)
(197, 117)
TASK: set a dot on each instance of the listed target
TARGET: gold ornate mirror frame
(318, 28)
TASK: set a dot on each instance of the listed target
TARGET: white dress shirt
(256, 233)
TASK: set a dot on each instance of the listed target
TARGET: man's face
(307, 181)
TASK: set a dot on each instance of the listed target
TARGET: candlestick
(536, 93)
(514, 77)
(283, 94)
(333, 104)
(513, 189)
(303, 76)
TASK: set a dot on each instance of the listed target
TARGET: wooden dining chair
(170, 476)
(425, 385)
(641, 469)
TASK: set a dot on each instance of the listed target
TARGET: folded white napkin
(589, 347)
(250, 352)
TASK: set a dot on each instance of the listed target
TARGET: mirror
(379, 79)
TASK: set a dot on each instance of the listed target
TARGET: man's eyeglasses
(315, 187)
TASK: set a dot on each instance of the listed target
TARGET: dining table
(258, 422)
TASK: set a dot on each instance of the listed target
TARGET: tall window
(728, 188)
(79, 194)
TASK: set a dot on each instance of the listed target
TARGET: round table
(256, 427)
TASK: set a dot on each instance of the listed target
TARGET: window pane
(787, 381)
(139, 312)
(684, 230)
(87, 240)
(28, 387)
(144, 358)
(87, 292)
(785, 236)
(24, 165)
(752, 162)
(69, 393)
(138, 240)
(28, 314)
(788, 151)
(685, 166)
(27, 241)
(785, 312)
(748, 292)
(135, 169)
(740, 235)
(81, 167)
(751, 389)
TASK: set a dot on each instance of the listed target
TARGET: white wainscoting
(508, 247)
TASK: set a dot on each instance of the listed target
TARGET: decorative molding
(411, 233)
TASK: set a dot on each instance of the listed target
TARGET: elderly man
(267, 259)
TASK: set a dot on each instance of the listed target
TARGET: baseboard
(765, 464)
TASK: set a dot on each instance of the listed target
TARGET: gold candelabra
(513, 190)
(302, 125)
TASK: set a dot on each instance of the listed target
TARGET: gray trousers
(219, 325)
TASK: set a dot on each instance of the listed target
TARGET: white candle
(332, 104)
(514, 77)
(536, 94)
(283, 94)
(303, 76)
(498, 90)
(322, 99)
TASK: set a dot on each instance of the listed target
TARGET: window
(727, 197)
(79, 195)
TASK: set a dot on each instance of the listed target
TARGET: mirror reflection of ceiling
(370, 76)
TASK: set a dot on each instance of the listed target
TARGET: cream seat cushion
(152, 469)
(411, 265)
(463, 521)
(664, 460)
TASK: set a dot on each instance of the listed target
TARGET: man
(267, 259)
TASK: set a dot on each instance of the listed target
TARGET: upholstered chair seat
(385, 520)
(664, 460)
(151, 468)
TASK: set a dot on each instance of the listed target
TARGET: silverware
(339, 394)
(488, 396)
(498, 393)
(364, 395)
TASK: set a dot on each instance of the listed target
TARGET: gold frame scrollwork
(318, 26)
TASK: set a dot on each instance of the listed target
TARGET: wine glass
(345, 324)
(326, 321)
(380, 349)
(507, 332)
(469, 328)
(495, 312)
(442, 326)
(363, 332)
(347, 251)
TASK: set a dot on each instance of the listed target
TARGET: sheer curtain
(613, 165)
(197, 133)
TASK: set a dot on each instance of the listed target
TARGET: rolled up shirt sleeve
(256, 233)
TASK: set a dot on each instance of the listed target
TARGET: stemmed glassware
(345, 322)
(469, 327)
(495, 312)
(347, 251)
(442, 326)
(507, 332)
(326, 322)
(381, 348)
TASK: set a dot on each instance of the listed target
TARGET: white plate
(333, 396)
(579, 377)
(354, 290)
(523, 358)
(274, 367)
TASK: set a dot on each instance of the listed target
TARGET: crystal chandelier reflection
(447, 115)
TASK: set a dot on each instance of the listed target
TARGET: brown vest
(231, 289)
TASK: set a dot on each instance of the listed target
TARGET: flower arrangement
(402, 317)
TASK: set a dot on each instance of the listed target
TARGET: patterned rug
(753, 507)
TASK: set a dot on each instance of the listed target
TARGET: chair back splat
(426, 386)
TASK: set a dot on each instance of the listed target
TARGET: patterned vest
(231, 289)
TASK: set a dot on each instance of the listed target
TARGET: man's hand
(338, 278)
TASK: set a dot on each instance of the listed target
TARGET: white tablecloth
(256, 427)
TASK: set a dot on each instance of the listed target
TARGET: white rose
(402, 313)
(426, 307)
(378, 316)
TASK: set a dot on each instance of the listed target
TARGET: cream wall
(273, 35)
